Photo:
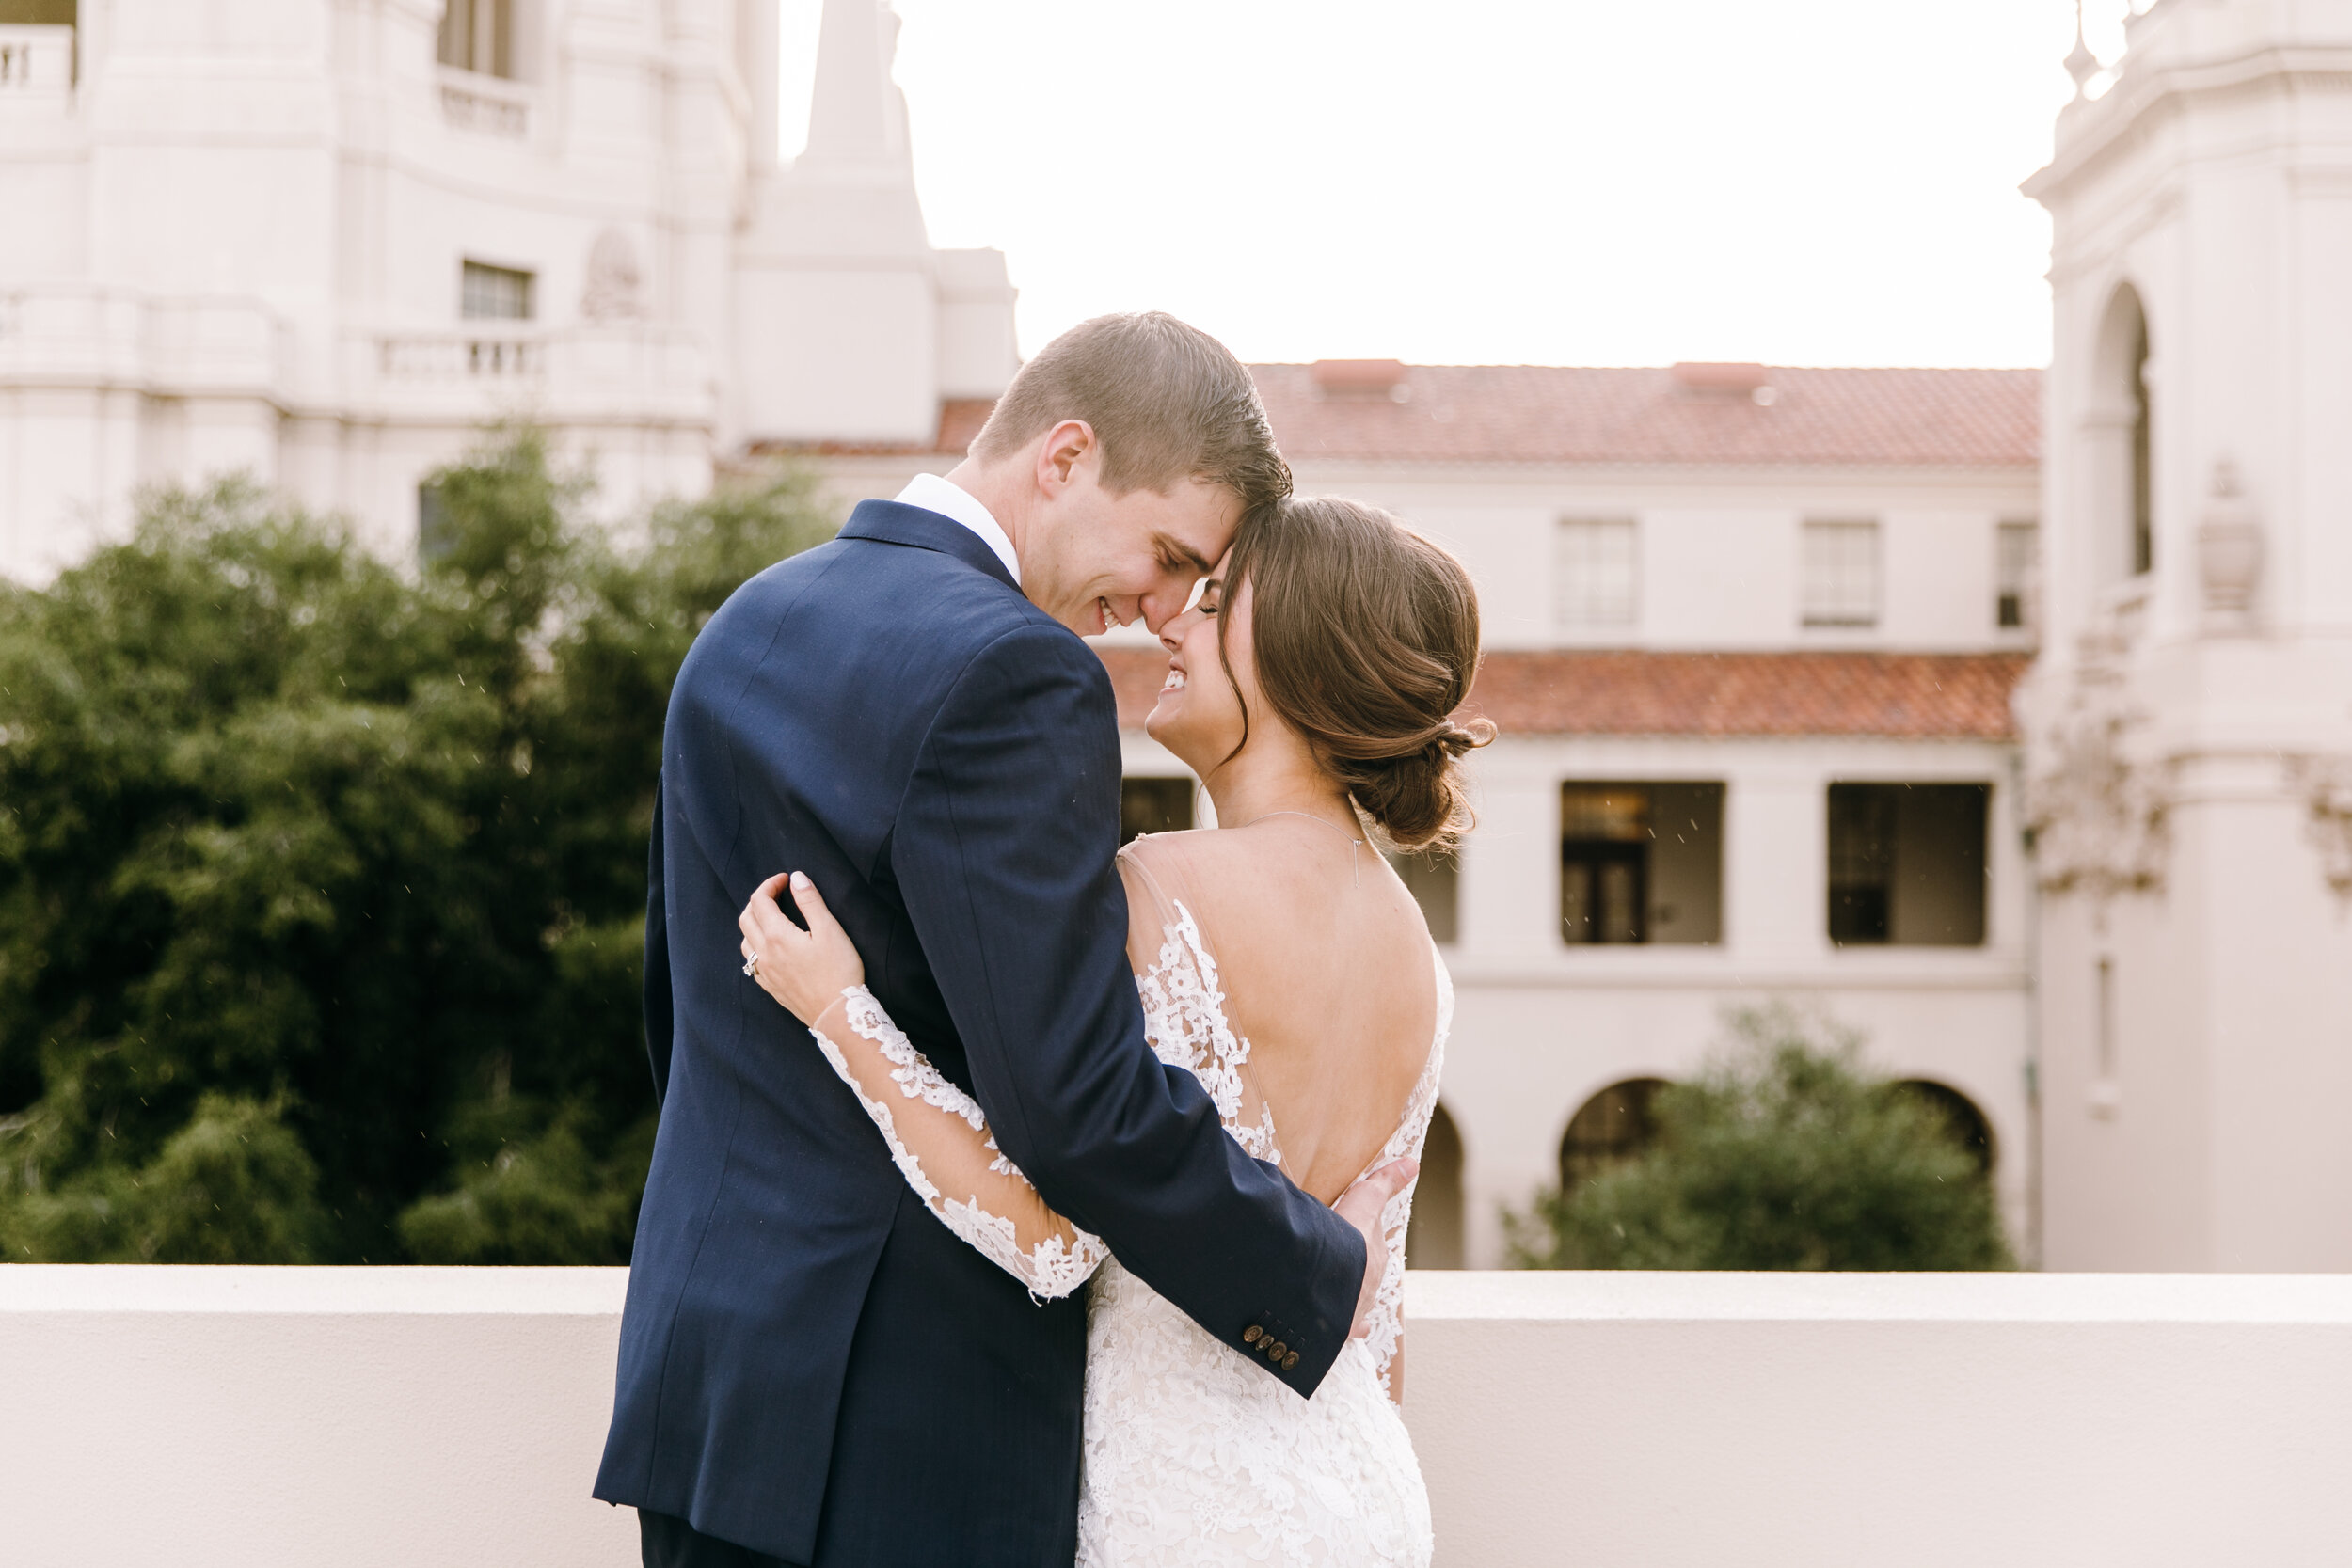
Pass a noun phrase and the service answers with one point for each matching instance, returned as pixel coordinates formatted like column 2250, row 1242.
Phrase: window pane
column 1641, row 862
column 479, row 35
column 493, row 293
column 1595, row 582
column 2014, row 571
column 1842, row 573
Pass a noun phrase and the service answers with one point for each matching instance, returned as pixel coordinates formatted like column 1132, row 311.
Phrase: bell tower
column 2188, row 728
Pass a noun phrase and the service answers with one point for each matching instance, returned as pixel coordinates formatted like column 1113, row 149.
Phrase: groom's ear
column 1067, row 451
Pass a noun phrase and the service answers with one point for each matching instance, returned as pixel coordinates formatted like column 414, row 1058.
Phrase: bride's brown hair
column 1366, row 640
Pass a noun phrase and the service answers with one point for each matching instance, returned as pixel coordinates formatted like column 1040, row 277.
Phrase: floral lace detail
column 1193, row 1454
column 1054, row 1267
column 1184, row 1017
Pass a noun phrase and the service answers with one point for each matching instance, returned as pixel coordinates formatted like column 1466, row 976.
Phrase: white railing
column 487, row 105
column 36, row 65
column 366, row 1416
column 486, row 354
column 497, row 369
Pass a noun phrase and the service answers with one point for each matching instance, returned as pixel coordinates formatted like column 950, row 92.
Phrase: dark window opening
column 1967, row 1123
column 40, row 13
column 1154, row 806
column 479, row 35
column 1907, row 864
column 1614, row 1126
column 1433, row 878
column 1641, row 863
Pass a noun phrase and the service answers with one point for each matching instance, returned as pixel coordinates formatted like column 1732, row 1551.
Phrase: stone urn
column 2230, row 554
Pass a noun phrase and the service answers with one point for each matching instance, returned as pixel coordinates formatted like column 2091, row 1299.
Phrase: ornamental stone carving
column 613, row 282
column 2097, row 807
column 2230, row 554
column 2325, row 784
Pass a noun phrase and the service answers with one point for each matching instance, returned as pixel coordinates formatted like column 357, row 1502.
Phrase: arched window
column 2119, row 429
column 1435, row 1239
column 1613, row 1126
column 1968, row 1124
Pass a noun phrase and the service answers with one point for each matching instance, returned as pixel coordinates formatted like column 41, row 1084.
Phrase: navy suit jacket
column 811, row 1365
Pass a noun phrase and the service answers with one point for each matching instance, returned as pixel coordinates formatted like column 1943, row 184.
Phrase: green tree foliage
column 322, row 883
column 1786, row 1153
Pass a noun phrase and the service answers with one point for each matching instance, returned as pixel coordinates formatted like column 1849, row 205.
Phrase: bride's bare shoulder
column 1190, row 870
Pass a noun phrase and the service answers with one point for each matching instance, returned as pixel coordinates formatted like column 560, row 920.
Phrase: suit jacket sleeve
column 660, row 1016
column 1004, row 849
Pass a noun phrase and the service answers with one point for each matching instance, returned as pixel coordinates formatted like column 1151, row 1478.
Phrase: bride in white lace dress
column 1284, row 963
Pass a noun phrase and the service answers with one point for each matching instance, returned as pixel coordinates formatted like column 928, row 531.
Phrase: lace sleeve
column 943, row 1145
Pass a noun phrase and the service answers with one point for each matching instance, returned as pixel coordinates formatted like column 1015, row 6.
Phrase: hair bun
column 1454, row 740
column 1365, row 638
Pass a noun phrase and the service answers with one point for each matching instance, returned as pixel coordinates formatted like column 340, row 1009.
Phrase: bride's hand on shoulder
column 806, row 970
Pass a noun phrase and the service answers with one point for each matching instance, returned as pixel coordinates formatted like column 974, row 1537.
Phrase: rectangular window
column 1641, row 863
column 1842, row 573
column 1433, row 878
column 479, row 35
column 493, row 293
column 1154, row 806
column 1595, row 582
column 1907, row 864
column 2014, row 570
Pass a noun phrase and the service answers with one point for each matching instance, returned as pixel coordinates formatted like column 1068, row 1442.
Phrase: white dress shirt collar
column 934, row 494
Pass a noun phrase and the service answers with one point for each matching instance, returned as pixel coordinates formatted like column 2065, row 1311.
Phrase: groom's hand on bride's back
column 1362, row 1206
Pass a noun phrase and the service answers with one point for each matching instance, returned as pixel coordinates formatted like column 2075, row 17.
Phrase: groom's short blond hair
column 1167, row 401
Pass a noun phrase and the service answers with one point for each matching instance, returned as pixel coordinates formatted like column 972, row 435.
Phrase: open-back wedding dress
column 1191, row 1457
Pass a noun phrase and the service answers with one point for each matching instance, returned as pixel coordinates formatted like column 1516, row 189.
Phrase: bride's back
column 1327, row 969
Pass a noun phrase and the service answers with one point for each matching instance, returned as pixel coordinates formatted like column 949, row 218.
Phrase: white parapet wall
column 205, row 1418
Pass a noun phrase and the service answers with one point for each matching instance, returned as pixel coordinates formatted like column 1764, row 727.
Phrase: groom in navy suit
column 813, row 1370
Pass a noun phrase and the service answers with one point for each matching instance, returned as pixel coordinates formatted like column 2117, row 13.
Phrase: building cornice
column 2146, row 90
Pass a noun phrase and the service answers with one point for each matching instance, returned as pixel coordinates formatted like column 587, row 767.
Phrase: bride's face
column 1198, row 716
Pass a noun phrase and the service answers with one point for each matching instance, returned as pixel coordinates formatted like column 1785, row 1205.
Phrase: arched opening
column 1434, row 1240
column 2119, row 430
column 1968, row 1124
column 1612, row 1127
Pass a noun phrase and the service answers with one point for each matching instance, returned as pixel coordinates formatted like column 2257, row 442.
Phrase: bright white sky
column 1499, row 181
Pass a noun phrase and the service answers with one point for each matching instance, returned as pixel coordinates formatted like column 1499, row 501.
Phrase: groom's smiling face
column 1103, row 559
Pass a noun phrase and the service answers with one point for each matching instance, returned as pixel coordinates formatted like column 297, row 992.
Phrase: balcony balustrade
column 36, row 71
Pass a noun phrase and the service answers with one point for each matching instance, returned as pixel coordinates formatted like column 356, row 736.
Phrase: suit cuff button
column 1289, row 1361
column 1251, row 1335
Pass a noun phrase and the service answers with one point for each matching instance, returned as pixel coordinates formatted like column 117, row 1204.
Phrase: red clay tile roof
column 1545, row 414
column 1894, row 696
column 1680, row 416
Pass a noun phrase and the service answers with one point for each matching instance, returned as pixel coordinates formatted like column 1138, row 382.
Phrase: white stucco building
column 1750, row 638
column 324, row 240
column 2190, row 723
column 1754, row 633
